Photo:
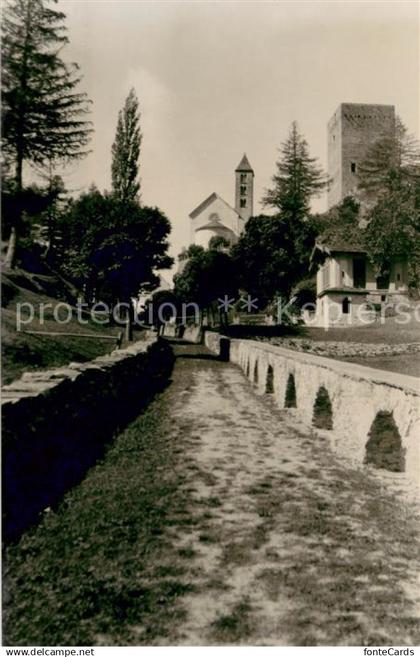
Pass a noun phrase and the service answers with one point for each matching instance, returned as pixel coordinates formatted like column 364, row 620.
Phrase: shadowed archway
column 269, row 382
column 290, row 396
column 323, row 416
column 384, row 448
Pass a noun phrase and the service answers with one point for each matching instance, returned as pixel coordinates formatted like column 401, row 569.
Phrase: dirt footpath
column 299, row 548
column 217, row 518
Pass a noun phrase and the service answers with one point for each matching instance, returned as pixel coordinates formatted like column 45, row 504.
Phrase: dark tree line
column 272, row 256
column 44, row 114
column 107, row 244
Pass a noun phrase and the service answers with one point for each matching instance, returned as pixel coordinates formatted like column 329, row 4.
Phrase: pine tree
column 389, row 188
column 126, row 151
column 44, row 117
column 297, row 180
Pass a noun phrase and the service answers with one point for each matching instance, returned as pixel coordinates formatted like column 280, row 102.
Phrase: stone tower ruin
column 352, row 130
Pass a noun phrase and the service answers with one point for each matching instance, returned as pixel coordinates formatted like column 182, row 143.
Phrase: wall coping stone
column 350, row 370
column 34, row 384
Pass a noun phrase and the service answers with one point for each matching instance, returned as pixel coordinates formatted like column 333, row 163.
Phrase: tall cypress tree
column 44, row 116
column 297, row 180
column 126, row 151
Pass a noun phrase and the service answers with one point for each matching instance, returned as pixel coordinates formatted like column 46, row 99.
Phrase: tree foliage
column 389, row 180
column 126, row 151
column 21, row 208
column 392, row 157
column 208, row 275
column 393, row 229
column 272, row 255
column 44, row 116
column 298, row 178
column 341, row 224
column 112, row 248
column 219, row 243
column 161, row 307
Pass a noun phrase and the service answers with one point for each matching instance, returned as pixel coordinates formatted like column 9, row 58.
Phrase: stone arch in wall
column 384, row 448
column 345, row 306
column 269, row 381
column 290, row 394
column 322, row 416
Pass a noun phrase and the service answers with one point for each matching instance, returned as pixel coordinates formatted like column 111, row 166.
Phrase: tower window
column 243, row 190
column 353, row 167
column 243, row 203
column 243, row 177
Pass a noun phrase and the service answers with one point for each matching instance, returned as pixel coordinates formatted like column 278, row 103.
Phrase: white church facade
column 215, row 217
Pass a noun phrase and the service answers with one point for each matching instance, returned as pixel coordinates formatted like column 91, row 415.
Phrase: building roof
column 339, row 246
column 203, row 205
column 244, row 165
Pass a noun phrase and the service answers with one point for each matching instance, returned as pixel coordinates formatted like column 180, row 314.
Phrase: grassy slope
column 22, row 352
column 98, row 571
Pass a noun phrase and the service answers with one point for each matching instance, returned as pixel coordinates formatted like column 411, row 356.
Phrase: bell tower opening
column 244, row 189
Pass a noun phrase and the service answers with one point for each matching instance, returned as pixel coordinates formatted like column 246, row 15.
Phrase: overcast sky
column 217, row 79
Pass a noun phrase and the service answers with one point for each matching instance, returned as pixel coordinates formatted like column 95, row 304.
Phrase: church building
column 215, row 217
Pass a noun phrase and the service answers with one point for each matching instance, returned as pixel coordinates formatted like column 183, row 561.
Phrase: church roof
column 208, row 201
column 203, row 205
column 244, row 165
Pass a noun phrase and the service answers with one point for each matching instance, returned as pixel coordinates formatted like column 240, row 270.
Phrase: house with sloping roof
column 348, row 290
column 215, row 217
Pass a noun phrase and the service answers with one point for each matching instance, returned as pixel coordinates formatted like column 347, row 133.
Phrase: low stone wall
column 56, row 423
column 190, row 332
column 212, row 341
column 193, row 333
column 358, row 394
column 169, row 330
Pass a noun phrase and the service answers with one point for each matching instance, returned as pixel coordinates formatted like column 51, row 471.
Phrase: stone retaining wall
column 358, row 394
column 56, row 423
column 193, row 333
column 190, row 332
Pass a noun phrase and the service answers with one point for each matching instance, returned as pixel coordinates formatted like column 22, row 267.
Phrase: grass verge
column 101, row 570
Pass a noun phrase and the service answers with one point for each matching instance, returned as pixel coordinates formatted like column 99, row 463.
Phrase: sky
column 217, row 79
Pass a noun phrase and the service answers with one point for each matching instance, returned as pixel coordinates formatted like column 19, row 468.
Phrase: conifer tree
column 297, row 180
column 392, row 158
column 44, row 116
column 126, row 151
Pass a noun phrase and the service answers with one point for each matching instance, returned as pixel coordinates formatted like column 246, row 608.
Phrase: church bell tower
column 244, row 189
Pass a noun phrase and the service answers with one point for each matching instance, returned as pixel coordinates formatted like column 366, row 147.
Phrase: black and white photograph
column 210, row 326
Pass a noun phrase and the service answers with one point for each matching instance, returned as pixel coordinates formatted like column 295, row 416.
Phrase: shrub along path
column 216, row 518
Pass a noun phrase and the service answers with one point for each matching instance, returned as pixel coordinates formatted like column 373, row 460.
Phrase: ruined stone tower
column 244, row 189
column 352, row 130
